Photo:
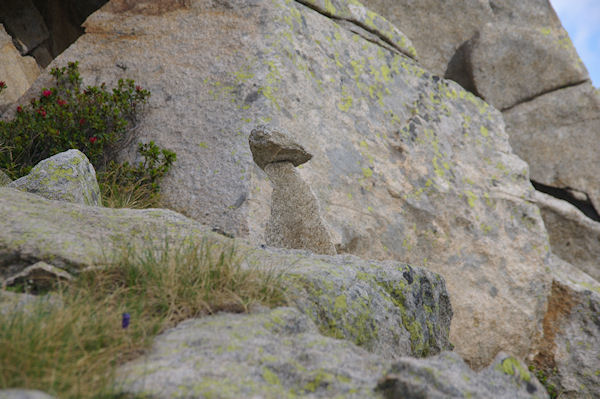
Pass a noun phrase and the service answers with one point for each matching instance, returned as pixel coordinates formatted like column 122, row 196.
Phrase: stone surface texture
column 557, row 134
column 448, row 376
column 17, row 71
column 269, row 145
column 23, row 394
column 438, row 29
column 357, row 15
column 510, row 65
column 516, row 55
column 570, row 351
column 574, row 237
column 406, row 166
column 73, row 236
column 67, row 176
column 277, row 354
column 296, row 220
column 390, row 308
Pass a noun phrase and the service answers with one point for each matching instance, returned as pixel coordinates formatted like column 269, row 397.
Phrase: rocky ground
column 384, row 154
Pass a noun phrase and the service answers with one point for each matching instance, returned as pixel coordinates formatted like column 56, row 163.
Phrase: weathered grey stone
column 73, row 236
column 557, row 134
column 269, row 145
column 404, row 307
column 16, row 393
column 427, row 24
column 67, row 176
column 406, row 166
column 569, row 354
column 438, row 29
column 448, row 376
column 296, row 220
column 4, row 179
column 511, row 64
column 39, row 277
column 389, row 308
column 573, row 236
column 277, row 354
column 16, row 71
column 374, row 27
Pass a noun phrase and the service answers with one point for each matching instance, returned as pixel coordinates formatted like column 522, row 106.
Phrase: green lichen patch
column 353, row 11
column 394, row 309
column 293, row 362
column 512, row 366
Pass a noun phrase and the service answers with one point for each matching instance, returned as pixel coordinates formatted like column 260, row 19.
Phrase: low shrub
column 95, row 121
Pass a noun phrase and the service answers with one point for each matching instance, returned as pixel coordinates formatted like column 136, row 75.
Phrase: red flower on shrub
column 2, row 84
column 93, row 139
column 19, row 109
column 81, row 121
column 138, row 88
column 42, row 112
column 47, row 93
column 61, row 102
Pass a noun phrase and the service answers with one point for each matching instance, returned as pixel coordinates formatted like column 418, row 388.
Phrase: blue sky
column 581, row 18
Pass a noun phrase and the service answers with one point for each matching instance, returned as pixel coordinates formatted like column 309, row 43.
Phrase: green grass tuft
column 72, row 348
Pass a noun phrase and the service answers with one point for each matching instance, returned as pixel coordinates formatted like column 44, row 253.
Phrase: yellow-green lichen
column 329, row 7
column 471, row 198
column 346, row 101
column 511, row 366
column 270, row 377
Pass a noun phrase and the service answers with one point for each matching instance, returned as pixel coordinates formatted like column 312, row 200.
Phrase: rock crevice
column 555, row 89
column 356, row 14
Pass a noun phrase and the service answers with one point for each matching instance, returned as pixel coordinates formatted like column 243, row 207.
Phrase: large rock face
column 509, row 65
column 438, row 29
column 406, row 166
column 515, row 55
column 281, row 351
column 557, row 133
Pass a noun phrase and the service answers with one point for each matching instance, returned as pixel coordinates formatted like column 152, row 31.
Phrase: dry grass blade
column 71, row 349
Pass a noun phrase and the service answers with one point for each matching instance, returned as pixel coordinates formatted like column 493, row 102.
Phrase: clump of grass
column 136, row 186
column 71, row 350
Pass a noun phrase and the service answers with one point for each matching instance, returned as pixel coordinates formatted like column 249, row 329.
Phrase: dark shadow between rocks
column 567, row 194
column 45, row 28
column 460, row 71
